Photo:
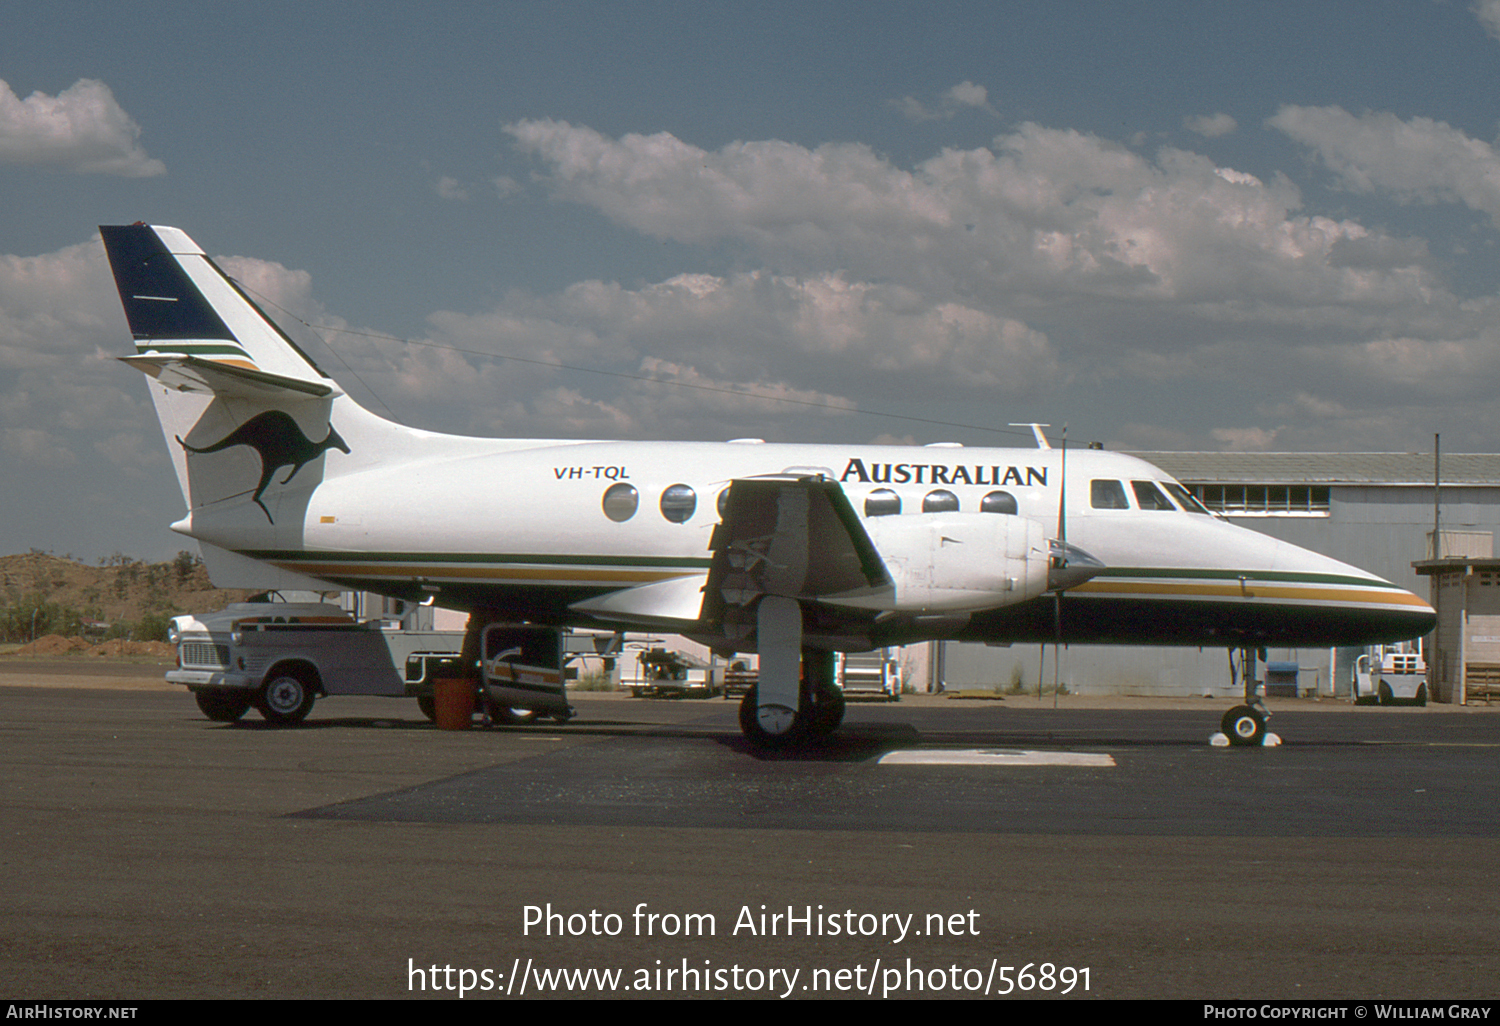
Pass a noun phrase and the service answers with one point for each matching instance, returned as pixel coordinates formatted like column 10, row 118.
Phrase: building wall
column 1383, row 529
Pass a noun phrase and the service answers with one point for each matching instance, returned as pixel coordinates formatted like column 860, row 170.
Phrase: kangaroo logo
column 280, row 443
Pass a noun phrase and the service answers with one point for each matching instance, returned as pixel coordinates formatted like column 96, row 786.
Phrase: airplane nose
column 1071, row 566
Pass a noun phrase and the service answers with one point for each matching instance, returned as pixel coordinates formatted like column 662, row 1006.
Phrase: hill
column 120, row 597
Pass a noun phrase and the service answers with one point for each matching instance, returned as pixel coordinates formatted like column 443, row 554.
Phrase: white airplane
column 790, row 551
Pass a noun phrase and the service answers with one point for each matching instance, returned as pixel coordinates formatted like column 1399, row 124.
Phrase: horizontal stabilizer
column 194, row 374
column 180, row 303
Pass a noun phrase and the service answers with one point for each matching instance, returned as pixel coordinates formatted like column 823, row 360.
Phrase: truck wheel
column 223, row 705
column 428, row 705
column 287, row 697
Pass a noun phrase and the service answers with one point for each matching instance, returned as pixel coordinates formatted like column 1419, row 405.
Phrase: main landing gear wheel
column 223, row 705
column 287, row 697
column 778, row 727
column 827, row 712
column 1244, row 725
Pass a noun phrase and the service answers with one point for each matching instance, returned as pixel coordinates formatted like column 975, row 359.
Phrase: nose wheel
column 1244, row 725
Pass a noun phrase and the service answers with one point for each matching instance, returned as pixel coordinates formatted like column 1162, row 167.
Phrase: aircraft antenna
column 1036, row 432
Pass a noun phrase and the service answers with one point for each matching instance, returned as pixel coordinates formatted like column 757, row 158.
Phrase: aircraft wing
column 791, row 536
column 784, row 535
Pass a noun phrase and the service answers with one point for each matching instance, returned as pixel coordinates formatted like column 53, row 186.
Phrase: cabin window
column 1148, row 496
column 678, row 503
column 722, row 503
column 1107, row 495
column 882, row 502
column 940, row 500
column 620, row 502
column 998, row 502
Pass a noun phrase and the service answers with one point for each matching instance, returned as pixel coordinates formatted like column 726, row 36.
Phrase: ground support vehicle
column 664, row 673
column 739, row 679
column 1391, row 675
column 522, row 673
column 870, row 675
column 280, row 656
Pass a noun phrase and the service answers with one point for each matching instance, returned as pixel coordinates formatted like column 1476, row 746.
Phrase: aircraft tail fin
column 186, row 312
column 224, row 376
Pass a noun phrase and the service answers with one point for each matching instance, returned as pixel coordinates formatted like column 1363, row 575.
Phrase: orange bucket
column 453, row 698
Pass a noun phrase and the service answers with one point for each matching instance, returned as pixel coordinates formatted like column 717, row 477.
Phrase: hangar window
column 882, row 502
column 1265, row 499
column 998, row 502
column 1107, row 495
column 678, row 503
column 1148, row 496
column 620, row 502
column 940, row 500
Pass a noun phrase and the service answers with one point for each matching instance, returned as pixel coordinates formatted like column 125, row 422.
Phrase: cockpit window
column 998, row 502
column 939, row 500
column 1148, row 496
column 1107, row 495
column 1185, row 498
column 882, row 502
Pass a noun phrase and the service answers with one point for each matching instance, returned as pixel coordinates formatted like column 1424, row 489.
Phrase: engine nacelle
column 957, row 562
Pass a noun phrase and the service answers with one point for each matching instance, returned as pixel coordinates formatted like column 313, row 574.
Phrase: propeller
column 1059, row 565
column 1069, row 565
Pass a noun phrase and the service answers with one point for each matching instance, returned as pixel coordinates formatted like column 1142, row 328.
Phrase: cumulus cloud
column 1417, row 160
column 940, row 276
column 1041, row 216
column 80, row 129
column 1211, row 126
column 65, row 403
column 1251, row 439
column 449, row 188
column 965, row 95
column 57, row 306
column 740, row 341
column 1488, row 13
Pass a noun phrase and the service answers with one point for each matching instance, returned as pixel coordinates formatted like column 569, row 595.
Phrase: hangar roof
column 1367, row 468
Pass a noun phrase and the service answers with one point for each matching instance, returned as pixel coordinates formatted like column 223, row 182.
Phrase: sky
column 1169, row 225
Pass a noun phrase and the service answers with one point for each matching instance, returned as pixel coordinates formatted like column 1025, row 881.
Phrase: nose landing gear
column 1245, row 725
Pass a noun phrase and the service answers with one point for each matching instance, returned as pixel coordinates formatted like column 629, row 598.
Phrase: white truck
column 1391, row 675
column 280, row 656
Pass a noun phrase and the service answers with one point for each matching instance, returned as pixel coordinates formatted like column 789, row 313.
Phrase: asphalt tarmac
column 146, row 852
